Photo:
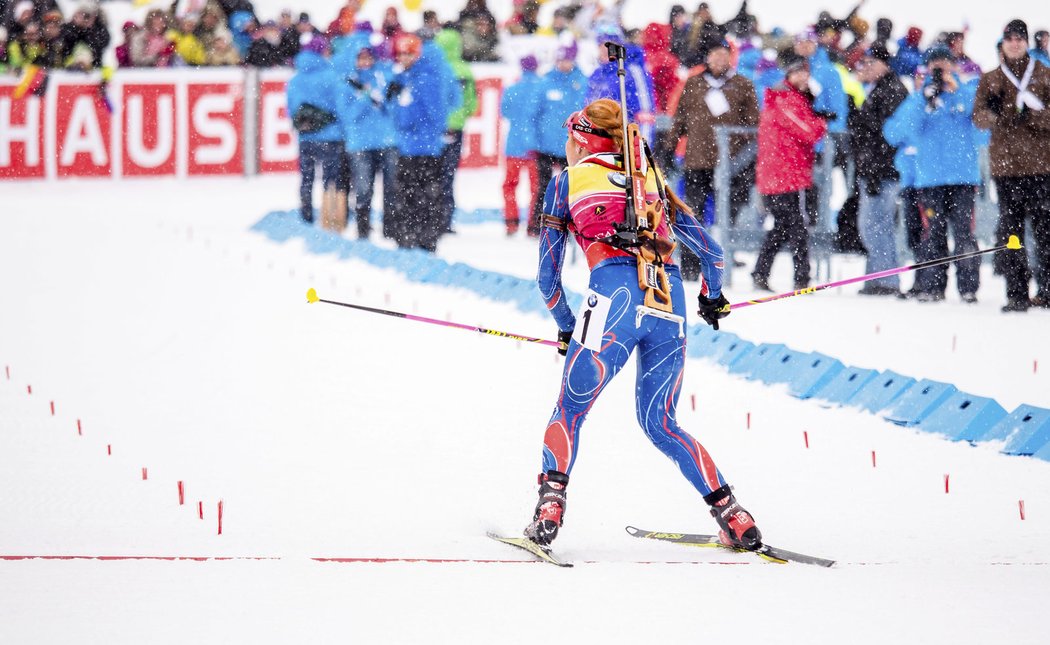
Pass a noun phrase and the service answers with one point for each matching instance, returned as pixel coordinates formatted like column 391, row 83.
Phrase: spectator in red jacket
column 788, row 128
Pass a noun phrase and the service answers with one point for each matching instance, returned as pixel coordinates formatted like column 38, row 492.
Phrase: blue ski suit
column 585, row 200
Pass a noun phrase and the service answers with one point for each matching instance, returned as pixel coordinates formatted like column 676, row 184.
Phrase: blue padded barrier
column 881, row 391
column 1026, row 430
column 918, row 402
column 964, row 417
column 731, row 352
column 841, row 387
column 751, row 362
column 779, row 369
column 813, row 371
column 710, row 344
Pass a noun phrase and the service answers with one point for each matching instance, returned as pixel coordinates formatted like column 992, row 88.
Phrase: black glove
column 393, row 89
column 563, row 341
column 713, row 310
column 827, row 115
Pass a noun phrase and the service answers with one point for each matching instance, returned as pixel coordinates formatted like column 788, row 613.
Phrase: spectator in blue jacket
column 604, row 83
column 936, row 120
column 563, row 90
column 1041, row 51
column 315, row 93
column 908, row 56
column 826, row 84
column 419, row 100
column 519, row 106
column 368, row 131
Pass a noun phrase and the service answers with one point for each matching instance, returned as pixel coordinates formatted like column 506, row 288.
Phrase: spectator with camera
column 936, row 120
column 1012, row 101
column 368, row 132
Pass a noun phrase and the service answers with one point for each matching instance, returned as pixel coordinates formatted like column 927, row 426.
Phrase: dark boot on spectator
column 1016, row 306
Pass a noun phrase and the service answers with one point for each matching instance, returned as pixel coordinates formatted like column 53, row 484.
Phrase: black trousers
column 789, row 229
column 544, row 171
column 911, row 213
column 1019, row 199
column 699, row 185
column 419, row 221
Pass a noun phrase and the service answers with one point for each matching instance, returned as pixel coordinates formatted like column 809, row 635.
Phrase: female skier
column 588, row 200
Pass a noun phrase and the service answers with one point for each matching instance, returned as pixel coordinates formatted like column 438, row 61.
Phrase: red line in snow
column 359, row 560
column 108, row 558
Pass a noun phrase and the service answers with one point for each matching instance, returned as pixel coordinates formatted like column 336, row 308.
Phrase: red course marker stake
column 692, row 399
column 109, row 449
column 182, row 494
column 7, row 370
column 144, row 476
column 805, row 435
column 946, row 484
column 200, row 510
column 52, row 408
column 1020, row 505
column 873, row 459
column 79, row 431
column 220, row 517
column 29, row 388
column 748, row 420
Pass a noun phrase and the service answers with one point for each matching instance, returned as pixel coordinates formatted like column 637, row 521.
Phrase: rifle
column 641, row 216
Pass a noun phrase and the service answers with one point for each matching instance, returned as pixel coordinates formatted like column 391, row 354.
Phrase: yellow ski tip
column 1013, row 243
column 311, row 295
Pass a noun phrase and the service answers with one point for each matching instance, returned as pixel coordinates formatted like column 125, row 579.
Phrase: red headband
column 587, row 136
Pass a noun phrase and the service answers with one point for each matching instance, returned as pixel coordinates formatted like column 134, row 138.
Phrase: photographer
column 936, row 121
column 1012, row 102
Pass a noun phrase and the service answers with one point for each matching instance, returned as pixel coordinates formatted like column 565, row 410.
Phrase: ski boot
column 738, row 527
column 550, row 509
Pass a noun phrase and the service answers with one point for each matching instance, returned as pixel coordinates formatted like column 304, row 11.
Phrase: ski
column 766, row 552
column 528, row 545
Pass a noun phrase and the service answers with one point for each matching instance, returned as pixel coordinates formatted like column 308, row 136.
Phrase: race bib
column 590, row 323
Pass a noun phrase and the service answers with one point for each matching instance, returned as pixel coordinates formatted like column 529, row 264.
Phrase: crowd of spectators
column 907, row 115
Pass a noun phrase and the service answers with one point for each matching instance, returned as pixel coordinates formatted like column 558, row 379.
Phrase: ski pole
column 311, row 297
column 1012, row 244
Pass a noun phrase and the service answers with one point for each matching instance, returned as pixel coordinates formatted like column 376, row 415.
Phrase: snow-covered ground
column 181, row 342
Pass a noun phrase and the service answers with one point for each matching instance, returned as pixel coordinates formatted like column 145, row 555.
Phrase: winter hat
column 878, row 51
column 365, row 26
column 914, row 36
column 806, row 35
column 566, row 53
column 883, row 29
column 937, row 52
column 714, row 41
column 408, row 44
column 21, row 8
column 1016, row 27
column 529, row 63
column 676, row 10
column 129, row 26
column 318, row 44
column 789, row 61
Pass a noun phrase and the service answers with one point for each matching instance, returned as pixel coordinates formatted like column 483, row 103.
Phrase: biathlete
column 588, row 200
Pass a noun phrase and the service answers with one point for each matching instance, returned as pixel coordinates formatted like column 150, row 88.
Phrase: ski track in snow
column 184, row 342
